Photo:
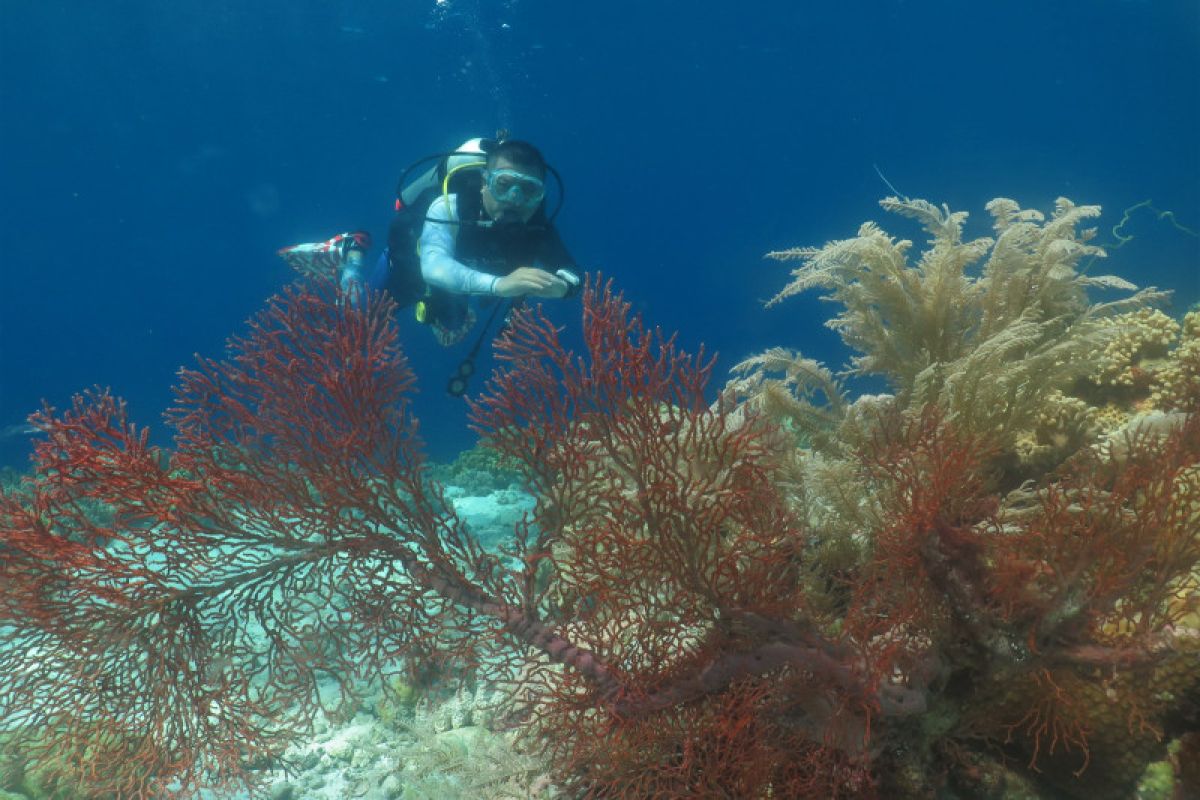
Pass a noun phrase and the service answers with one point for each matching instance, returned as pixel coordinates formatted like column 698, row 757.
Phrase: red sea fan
column 169, row 619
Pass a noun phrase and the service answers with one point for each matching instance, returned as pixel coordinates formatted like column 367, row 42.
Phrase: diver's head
column 514, row 181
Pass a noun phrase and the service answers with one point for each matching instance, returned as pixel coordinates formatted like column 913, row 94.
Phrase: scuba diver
column 473, row 224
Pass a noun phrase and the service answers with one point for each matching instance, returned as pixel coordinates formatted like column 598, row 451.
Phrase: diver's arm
column 438, row 266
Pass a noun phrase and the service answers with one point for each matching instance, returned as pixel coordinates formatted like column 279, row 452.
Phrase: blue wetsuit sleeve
column 438, row 266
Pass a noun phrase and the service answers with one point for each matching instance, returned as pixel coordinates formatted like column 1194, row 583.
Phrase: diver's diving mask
column 515, row 188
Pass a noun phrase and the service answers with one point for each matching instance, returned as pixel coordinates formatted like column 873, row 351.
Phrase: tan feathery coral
column 790, row 397
column 998, row 335
column 989, row 349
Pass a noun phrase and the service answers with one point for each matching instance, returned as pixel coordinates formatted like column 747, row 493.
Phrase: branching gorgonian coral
column 988, row 347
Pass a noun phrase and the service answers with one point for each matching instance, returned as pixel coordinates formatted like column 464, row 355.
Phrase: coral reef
column 1045, row 407
column 981, row 583
column 477, row 470
column 291, row 546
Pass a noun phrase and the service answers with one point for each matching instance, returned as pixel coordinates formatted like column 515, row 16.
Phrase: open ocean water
column 153, row 156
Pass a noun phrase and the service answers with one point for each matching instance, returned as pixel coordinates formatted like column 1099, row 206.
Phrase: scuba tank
column 434, row 175
column 425, row 186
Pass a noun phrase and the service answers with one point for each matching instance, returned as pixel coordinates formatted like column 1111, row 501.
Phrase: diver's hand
column 524, row 281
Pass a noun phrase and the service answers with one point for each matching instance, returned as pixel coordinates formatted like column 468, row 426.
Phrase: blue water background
column 153, row 155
